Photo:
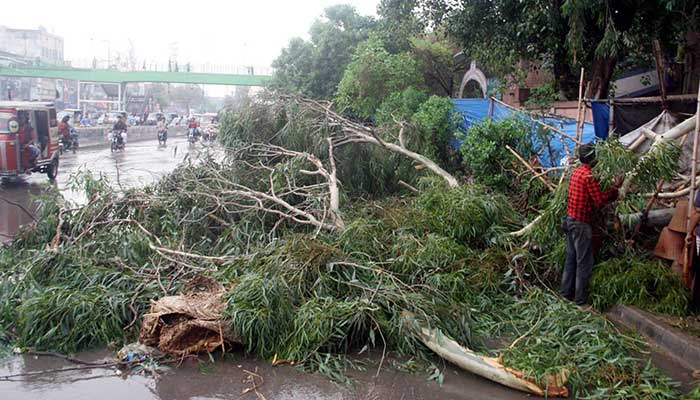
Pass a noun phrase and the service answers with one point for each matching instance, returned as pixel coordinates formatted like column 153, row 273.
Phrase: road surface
column 233, row 379
column 141, row 163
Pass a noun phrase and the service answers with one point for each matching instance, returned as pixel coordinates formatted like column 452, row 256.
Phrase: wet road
column 237, row 377
column 141, row 163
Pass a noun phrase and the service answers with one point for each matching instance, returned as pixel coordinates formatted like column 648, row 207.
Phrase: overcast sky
column 233, row 32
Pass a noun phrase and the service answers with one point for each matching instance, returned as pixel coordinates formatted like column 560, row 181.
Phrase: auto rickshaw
column 37, row 120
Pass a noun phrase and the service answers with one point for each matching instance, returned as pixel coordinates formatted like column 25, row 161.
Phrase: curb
column 685, row 349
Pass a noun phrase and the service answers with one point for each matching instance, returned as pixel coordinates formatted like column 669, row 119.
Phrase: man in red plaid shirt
column 584, row 195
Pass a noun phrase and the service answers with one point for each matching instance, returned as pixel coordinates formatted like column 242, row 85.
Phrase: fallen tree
column 294, row 283
column 349, row 131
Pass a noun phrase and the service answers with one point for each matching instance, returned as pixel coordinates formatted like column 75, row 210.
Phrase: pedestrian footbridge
column 123, row 77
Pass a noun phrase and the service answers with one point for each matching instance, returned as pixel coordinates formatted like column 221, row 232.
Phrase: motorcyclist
column 120, row 129
column 162, row 128
column 66, row 132
column 193, row 127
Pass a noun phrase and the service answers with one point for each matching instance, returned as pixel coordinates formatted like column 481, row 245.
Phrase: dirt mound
column 189, row 323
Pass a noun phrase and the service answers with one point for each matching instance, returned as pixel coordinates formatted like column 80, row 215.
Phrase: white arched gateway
column 474, row 78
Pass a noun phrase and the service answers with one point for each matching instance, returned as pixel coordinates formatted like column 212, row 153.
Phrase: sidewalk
column 679, row 353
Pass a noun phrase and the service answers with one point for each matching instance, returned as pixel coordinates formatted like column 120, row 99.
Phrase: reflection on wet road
column 141, row 163
column 233, row 379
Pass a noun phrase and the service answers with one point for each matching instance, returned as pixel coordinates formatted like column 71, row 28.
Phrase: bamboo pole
column 551, row 128
column 529, row 167
column 578, row 109
column 657, row 58
column 655, row 99
column 693, row 187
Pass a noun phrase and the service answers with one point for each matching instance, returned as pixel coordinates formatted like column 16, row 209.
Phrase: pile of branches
column 309, row 274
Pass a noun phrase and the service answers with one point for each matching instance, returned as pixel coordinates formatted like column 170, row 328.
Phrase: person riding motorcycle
column 66, row 132
column 162, row 128
column 193, row 127
column 119, row 129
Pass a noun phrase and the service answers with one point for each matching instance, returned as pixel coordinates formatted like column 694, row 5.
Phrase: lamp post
column 109, row 53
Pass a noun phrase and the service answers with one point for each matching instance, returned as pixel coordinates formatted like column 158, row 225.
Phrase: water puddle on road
column 236, row 377
column 142, row 163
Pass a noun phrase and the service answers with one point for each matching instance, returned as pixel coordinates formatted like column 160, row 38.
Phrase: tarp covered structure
column 474, row 111
column 661, row 124
column 629, row 113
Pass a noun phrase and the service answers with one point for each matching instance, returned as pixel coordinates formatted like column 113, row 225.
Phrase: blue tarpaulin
column 601, row 118
column 474, row 111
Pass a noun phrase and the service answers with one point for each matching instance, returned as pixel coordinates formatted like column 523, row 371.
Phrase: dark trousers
column 579, row 260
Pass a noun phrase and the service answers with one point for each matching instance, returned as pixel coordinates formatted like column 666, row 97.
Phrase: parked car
column 75, row 114
column 152, row 118
column 109, row 118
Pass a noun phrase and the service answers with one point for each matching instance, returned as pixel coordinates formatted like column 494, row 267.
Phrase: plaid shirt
column 585, row 193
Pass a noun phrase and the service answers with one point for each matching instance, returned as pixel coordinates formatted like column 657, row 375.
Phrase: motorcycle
column 192, row 135
column 209, row 135
column 162, row 138
column 117, row 141
column 71, row 143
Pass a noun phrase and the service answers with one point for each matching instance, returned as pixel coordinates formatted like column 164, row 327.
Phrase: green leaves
column 467, row 214
column 485, row 155
column 638, row 281
column 314, row 67
column 372, row 76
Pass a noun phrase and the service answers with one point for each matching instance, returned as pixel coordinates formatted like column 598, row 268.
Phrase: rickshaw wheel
column 52, row 170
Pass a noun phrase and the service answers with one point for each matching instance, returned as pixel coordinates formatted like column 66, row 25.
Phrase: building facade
column 35, row 46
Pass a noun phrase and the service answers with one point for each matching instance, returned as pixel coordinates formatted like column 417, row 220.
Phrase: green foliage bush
column 372, row 76
column 437, row 121
column 638, row 281
column 542, row 96
column 484, row 151
column 400, row 106
column 468, row 214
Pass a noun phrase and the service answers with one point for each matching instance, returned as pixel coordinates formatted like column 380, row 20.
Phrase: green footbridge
column 122, row 77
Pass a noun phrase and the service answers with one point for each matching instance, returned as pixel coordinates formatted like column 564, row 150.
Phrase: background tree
column 399, row 22
column 436, row 60
column 188, row 97
column 372, row 76
column 314, row 68
column 564, row 35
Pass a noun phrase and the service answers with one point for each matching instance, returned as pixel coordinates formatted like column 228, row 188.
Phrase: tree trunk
column 603, row 69
column 564, row 80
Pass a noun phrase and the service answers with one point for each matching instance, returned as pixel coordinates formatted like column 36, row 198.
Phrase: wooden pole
column 578, row 110
column 655, row 99
column 691, row 199
column 657, row 58
column 527, row 165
